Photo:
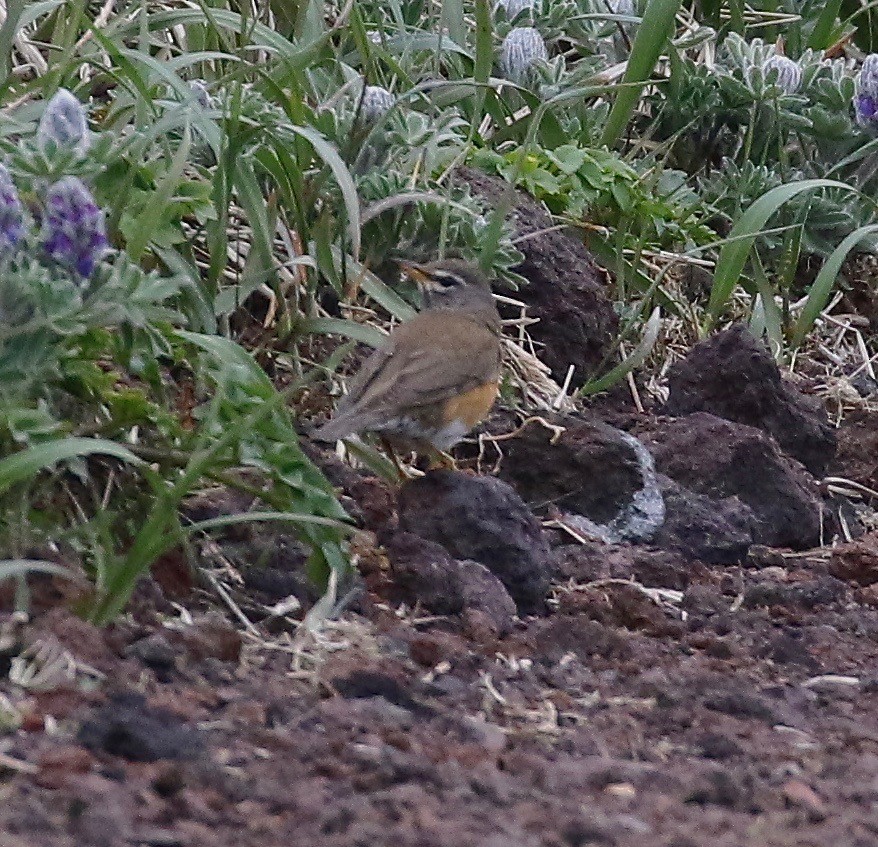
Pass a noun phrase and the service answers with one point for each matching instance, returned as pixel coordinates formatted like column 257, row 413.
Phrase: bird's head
column 451, row 284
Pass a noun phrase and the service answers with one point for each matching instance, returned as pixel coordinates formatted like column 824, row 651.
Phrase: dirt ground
column 656, row 701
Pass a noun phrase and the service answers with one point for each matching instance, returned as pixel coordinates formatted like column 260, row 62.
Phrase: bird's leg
column 404, row 474
column 441, row 459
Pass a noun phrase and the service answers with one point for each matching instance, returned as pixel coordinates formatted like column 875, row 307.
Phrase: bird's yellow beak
column 415, row 272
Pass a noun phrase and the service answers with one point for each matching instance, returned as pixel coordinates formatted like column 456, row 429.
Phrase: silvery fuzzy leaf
column 786, row 73
column 64, row 124
column 377, row 102
column 513, row 8
column 522, row 49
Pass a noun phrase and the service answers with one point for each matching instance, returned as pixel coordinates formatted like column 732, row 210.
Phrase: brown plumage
column 437, row 375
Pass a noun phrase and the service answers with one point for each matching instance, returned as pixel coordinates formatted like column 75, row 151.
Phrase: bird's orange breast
column 472, row 406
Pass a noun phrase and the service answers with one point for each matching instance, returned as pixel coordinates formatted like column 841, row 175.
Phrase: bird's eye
column 444, row 279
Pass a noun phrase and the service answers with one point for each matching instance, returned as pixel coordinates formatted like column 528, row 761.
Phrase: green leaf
column 738, row 245
column 453, row 20
column 821, row 289
column 343, row 178
column 652, row 36
column 347, row 329
column 771, row 314
column 634, row 359
column 28, row 463
column 568, row 158
column 379, row 291
column 264, row 517
column 825, row 27
column 152, row 216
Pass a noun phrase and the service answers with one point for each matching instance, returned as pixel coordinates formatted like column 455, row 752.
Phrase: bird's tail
column 333, row 430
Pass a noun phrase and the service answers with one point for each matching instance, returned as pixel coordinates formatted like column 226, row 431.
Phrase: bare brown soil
column 658, row 701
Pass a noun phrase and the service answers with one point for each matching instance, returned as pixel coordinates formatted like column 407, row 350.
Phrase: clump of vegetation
column 180, row 181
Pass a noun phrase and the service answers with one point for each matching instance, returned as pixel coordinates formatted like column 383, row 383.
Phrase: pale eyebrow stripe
column 440, row 275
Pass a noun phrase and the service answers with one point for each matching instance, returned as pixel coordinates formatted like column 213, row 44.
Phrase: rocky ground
column 613, row 627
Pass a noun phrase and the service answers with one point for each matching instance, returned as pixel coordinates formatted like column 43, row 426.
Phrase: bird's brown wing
column 423, row 363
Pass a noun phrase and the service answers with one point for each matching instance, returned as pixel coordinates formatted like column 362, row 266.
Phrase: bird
column 436, row 376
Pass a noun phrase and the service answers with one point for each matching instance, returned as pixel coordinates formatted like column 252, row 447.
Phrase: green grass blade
column 151, row 218
column 347, row 329
column 343, row 178
column 260, row 35
column 407, row 198
column 826, row 26
column 14, row 11
column 23, row 465
column 821, row 289
column 263, row 517
column 633, row 360
column 483, row 42
column 382, row 294
column 378, row 290
column 652, row 36
column 453, row 20
column 736, row 250
column 736, row 13
column 259, row 267
column 771, row 314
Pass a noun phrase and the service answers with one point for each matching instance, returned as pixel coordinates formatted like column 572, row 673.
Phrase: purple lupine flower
column 64, row 123
column 11, row 214
column 521, row 50
column 789, row 74
column 866, row 93
column 866, row 108
column 74, row 234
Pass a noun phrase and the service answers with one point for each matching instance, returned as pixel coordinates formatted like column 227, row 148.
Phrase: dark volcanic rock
column 857, row 561
column 717, row 531
column 562, row 634
column 127, row 727
column 605, row 475
column 481, row 518
column 595, row 560
column 732, row 375
column 577, row 321
column 446, row 585
column 590, row 470
column 720, row 459
column 823, row 591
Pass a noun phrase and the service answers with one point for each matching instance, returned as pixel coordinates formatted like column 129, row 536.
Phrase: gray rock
column 600, row 478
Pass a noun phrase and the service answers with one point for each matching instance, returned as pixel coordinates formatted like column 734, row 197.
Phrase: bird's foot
column 404, row 472
column 440, row 460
